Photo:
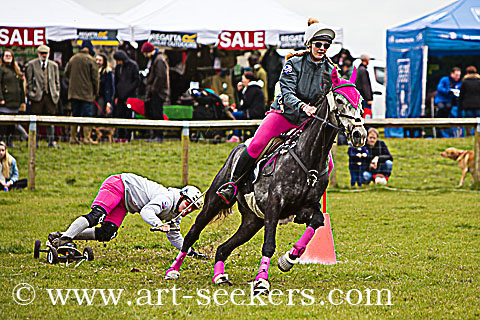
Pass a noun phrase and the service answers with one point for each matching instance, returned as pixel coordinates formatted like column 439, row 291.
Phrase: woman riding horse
column 308, row 80
column 304, row 80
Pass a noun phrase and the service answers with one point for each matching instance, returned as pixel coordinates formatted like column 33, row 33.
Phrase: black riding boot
column 228, row 191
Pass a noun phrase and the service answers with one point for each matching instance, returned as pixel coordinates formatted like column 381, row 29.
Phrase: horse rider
column 305, row 79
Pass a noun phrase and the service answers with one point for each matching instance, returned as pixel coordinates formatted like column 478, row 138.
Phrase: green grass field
column 419, row 238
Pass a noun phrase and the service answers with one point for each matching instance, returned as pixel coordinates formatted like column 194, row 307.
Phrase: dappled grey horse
column 292, row 190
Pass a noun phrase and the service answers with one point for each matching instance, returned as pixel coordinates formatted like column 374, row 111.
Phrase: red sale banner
column 22, row 37
column 241, row 40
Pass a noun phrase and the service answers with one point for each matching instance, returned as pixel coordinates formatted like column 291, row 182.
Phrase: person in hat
column 43, row 87
column 293, row 105
column 158, row 86
column 364, row 85
column 127, row 192
column 82, row 73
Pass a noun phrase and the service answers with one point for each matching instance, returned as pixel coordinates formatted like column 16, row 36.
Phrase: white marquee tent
column 61, row 18
column 208, row 18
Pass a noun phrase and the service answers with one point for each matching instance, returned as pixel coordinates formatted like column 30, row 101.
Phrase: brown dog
column 465, row 159
column 104, row 131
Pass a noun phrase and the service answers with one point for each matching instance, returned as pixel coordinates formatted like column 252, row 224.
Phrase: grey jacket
column 154, row 202
column 35, row 81
column 302, row 82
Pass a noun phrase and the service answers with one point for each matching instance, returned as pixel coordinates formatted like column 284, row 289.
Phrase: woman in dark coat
column 379, row 159
column 469, row 101
column 252, row 101
column 12, row 93
column 106, row 88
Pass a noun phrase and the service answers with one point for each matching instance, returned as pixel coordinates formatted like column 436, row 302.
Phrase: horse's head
column 345, row 103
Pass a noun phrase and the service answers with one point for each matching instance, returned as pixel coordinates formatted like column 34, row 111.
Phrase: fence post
column 185, row 140
column 476, row 173
column 32, row 149
column 333, row 175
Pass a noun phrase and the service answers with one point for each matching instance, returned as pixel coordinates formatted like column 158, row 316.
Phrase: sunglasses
column 7, row 55
column 319, row 45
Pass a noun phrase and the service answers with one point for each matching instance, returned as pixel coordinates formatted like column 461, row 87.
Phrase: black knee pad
column 317, row 221
column 106, row 232
column 95, row 216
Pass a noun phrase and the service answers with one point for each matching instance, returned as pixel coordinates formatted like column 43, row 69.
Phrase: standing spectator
column 126, row 81
column 106, row 89
column 447, row 90
column 9, row 171
column 379, row 159
column 357, row 164
column 12, row 94
column 158, row 85
column 43, row 88
column 469, row 101
column 259, row 72
column 82, row 73
column 272, row 62
column 364, row 86
column 252, row 101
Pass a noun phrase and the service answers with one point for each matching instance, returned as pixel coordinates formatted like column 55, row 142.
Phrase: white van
column 376, row 71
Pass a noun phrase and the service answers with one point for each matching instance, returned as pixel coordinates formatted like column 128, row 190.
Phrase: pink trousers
column 274, row 125
column 111, row 197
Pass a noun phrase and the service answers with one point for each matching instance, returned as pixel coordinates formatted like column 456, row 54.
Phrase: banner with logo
column 22, row 37
column 98, row 37
column 291, row 40
column 241, row 40
column 173, row 39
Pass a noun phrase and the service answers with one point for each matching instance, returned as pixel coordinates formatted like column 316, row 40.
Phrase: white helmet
column 193, row 195
column 318, row 30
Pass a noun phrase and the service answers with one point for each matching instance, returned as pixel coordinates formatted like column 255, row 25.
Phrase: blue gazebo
column 451, row 31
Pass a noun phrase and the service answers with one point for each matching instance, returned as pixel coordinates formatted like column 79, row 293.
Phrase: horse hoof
column 285, row 264
column 261, row 286
column 222, row 279
column 172, row 275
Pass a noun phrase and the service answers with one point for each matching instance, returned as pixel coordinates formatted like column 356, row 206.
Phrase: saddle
column 267, row 160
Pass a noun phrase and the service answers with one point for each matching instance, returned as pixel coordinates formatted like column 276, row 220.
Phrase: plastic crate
column 178, row 112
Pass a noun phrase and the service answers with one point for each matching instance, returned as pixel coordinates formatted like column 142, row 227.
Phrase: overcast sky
column 364, row 22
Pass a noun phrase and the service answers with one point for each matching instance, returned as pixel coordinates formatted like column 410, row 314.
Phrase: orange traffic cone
column 321, row 248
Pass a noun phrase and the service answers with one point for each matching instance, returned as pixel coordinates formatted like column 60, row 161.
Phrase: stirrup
column 227, row 187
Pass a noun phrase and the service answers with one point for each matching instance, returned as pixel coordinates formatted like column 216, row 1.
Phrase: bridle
column 332, row 107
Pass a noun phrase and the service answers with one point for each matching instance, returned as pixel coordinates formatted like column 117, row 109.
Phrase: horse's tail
column 224, row 174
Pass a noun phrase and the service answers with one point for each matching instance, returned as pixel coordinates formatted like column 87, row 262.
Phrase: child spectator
column 357, row 164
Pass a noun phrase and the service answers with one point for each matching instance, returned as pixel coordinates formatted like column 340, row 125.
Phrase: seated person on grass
column 379, row 159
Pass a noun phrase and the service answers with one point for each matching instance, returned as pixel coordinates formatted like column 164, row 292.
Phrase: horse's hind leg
column 289, row 259
column 248, row 228
column 209, row 212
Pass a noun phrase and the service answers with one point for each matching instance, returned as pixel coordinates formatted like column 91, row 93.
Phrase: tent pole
column 424, row 83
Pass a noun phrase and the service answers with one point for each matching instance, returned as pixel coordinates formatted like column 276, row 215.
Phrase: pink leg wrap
column 263, row 271
column 218, row 269
column 299, row 247
column 331, row 165
column 178, row 262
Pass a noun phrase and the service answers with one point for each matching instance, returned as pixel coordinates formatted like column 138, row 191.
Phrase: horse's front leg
column 249, row 227
column 261, row 284
column 209, row 211
column 289, row 259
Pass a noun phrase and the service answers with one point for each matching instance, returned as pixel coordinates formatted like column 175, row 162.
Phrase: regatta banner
column 173, row 39
column 291, row 40
column 241, row 40
column 98, row 37
column 22, row 37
